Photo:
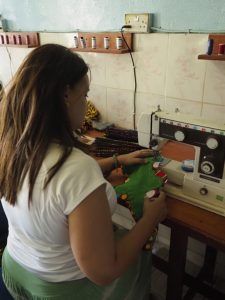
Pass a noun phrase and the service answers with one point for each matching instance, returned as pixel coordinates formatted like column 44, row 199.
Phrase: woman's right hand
column 155, row 209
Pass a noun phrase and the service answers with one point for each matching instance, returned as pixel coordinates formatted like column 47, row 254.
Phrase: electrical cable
column 134, row 71
column 160, row 29
column 10, row 59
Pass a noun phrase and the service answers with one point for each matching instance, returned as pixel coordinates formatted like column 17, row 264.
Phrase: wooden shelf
column 87, row 36
column 101, row 50
column 19, row 39
column 217, row 39
column 211, row 57
column 16, row 46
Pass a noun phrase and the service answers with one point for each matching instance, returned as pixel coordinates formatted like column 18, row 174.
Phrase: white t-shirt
column 39, row 237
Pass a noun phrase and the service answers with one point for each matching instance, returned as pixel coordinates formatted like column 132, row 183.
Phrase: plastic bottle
column 75, row 42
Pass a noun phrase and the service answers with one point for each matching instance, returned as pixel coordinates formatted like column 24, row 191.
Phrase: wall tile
column 185, row 73
column 97, row 95
column 214, row 112
column 119, row 71
column 97, row 64
column 186, row 107
column 10, row 60
column 120, row 107
column 5, row 66
column 18, row 55
column 221, row 261
column 150, row 59
column 214, row 91
column 147, row 103
column 196, row 246
column 63, row 38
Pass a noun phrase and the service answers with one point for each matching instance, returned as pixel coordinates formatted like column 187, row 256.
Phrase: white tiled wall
column 168, row 74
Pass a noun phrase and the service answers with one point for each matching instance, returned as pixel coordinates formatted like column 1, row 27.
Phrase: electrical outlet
column 138, row 22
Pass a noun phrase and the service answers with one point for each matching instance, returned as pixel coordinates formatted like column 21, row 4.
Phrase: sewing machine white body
column 205, row 186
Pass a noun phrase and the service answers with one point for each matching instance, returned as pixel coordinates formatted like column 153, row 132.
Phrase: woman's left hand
column 136, row 157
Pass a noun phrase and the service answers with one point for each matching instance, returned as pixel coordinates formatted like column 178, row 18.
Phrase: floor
column 159, row 279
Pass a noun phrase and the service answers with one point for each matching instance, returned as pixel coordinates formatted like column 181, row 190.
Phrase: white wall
column 102, row 15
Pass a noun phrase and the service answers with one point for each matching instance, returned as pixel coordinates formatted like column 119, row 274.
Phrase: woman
column 3, row 230
column 3, row 222
column 61, row 242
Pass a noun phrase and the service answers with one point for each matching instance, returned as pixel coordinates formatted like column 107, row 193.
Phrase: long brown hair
column 1, row 91
column 33, row 114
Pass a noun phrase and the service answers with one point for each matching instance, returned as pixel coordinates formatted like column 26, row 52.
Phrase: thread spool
column 19, row 39
column 210, row 47
column 221, row 49
column 75, row 42
column 152, row 194
column 2, row 40
column 187, row 165
column 82, row 42
column 106, row 42
column 27, row 40
column 119, row 43
column 7, row 39
column 14, row 40
column 93, row 42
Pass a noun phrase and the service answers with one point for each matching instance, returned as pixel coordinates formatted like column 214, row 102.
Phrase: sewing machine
column 205, row 186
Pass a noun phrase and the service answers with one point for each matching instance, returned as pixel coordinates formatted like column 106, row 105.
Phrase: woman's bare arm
column 136, row 157
column 97, row 253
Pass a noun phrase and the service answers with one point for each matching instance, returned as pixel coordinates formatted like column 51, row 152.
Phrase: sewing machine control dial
column 207, row 167
column 212, row 143
column 153, row 143
column 203, row 191
column 179, row 135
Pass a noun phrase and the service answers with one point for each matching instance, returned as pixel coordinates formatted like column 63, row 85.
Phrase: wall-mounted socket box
column 138, row 22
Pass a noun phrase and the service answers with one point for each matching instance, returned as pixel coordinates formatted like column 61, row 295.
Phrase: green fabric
column 132, row 285
column 141, row 179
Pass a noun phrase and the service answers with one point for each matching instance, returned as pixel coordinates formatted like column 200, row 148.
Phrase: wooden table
column 186, row 220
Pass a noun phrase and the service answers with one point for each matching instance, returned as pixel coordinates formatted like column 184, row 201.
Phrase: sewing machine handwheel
column 203, row 191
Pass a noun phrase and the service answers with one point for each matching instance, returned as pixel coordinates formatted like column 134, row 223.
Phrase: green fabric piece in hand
column 141, row 179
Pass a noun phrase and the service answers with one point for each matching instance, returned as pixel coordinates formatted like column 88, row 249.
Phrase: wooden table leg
column 198, row 285
column 209, row 263
column 177, row 259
